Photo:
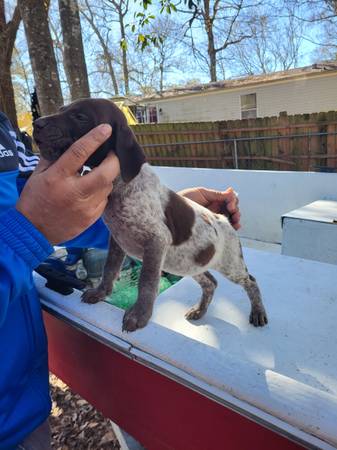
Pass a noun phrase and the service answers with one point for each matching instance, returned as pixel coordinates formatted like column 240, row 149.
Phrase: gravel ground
column 76, row 424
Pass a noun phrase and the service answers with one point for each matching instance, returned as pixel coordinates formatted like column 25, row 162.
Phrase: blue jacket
column 24, row 387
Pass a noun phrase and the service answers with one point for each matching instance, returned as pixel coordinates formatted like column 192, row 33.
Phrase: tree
column 326, row 38
column 34, row 15
column 322, row 17
column 223, row 22
column 121, row 8
column 21, row 75
column 102, row 33
column 8, row 31
column 166, row 48
column 56, row 35
column 149, row 67
column 275, row 43
column 73, row 52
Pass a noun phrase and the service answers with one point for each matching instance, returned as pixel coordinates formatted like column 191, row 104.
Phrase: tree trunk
column 7, row 39
column 124, row 56
column 34, row 14
column 212, row 65
column 7, row 98
column 74, row 59
column 107, row 58
column 161, row 77
column 210, row 41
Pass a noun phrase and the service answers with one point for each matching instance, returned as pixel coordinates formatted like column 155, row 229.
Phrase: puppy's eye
column 82, row 117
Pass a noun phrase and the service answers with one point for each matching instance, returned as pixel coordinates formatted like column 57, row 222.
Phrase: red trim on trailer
column 159, row 412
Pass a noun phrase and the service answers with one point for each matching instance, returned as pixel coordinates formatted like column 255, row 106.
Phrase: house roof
column 314, row 69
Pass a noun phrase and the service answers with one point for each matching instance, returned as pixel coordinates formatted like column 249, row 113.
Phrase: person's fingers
column 212, row 195
column 214, row 207
column 71, row 161
column 232, row 200
column 236, row 216
column 101, row 177
column 229, row 197
column 217, row 206
column 229, row 194
column 232, row 206
column 42, row 166
column 235, row 219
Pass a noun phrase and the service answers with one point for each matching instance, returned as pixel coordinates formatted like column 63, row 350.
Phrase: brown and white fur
column 149, row 221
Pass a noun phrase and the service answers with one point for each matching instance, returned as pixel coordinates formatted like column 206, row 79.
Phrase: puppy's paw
column 93, row 295
column 195, row 313
column 134, row 318
column 258, row 317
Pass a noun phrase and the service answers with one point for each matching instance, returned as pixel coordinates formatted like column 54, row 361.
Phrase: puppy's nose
column 40, row 123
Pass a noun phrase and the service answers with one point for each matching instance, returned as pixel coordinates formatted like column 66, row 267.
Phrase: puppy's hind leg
column 236, row 271
column 111, row 270
column 208, row 285
column 258, row 316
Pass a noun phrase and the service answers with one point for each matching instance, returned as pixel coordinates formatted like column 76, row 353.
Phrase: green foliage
column 123, row 44
column 144, row 19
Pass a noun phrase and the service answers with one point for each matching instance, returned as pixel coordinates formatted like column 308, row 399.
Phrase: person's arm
column 216, row 201
column 22, row 248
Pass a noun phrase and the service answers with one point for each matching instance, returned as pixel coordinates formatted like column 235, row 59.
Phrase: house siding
column 297, row 96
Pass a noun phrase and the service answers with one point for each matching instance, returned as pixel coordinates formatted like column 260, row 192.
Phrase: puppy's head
column 54, row 134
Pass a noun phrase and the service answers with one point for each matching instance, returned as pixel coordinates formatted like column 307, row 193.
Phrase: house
column 303, row 90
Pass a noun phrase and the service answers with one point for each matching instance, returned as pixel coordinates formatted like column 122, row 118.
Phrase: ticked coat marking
column 188, row 243
column 150, row 222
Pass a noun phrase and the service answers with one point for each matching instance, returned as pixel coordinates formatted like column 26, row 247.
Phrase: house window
column 141, row 114
column 248, row 106
column 152, row 114
column 146, row 114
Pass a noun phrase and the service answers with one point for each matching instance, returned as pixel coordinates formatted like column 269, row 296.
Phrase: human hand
column 58, row 201
column 215, row 201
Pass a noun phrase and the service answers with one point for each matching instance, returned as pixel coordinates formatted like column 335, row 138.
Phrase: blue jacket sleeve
column 96, row 236
column 22, row 248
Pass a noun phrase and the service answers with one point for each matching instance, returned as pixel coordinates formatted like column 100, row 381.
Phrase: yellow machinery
column 127, row 112
column 25, row 122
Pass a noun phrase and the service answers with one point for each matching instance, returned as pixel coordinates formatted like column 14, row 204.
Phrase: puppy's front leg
column 111, row 270
column 139, row 314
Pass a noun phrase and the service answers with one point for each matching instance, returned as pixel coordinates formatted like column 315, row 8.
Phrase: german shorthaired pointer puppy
column 149, row 221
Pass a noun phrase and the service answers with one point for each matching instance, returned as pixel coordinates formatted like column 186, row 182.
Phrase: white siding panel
column 306, row 95
column 204, row 107
column 298, row 97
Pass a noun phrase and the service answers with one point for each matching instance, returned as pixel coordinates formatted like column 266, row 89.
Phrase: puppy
column 149, row 221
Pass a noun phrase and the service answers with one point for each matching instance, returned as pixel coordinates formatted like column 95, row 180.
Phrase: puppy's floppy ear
column 130, row 154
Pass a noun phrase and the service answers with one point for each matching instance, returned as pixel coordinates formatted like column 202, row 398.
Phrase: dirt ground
column 75, row 423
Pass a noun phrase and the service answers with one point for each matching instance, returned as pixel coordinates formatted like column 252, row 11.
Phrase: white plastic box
column 310, row 232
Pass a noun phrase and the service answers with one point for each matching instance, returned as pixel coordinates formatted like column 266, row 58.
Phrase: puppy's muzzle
column 50, row 139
